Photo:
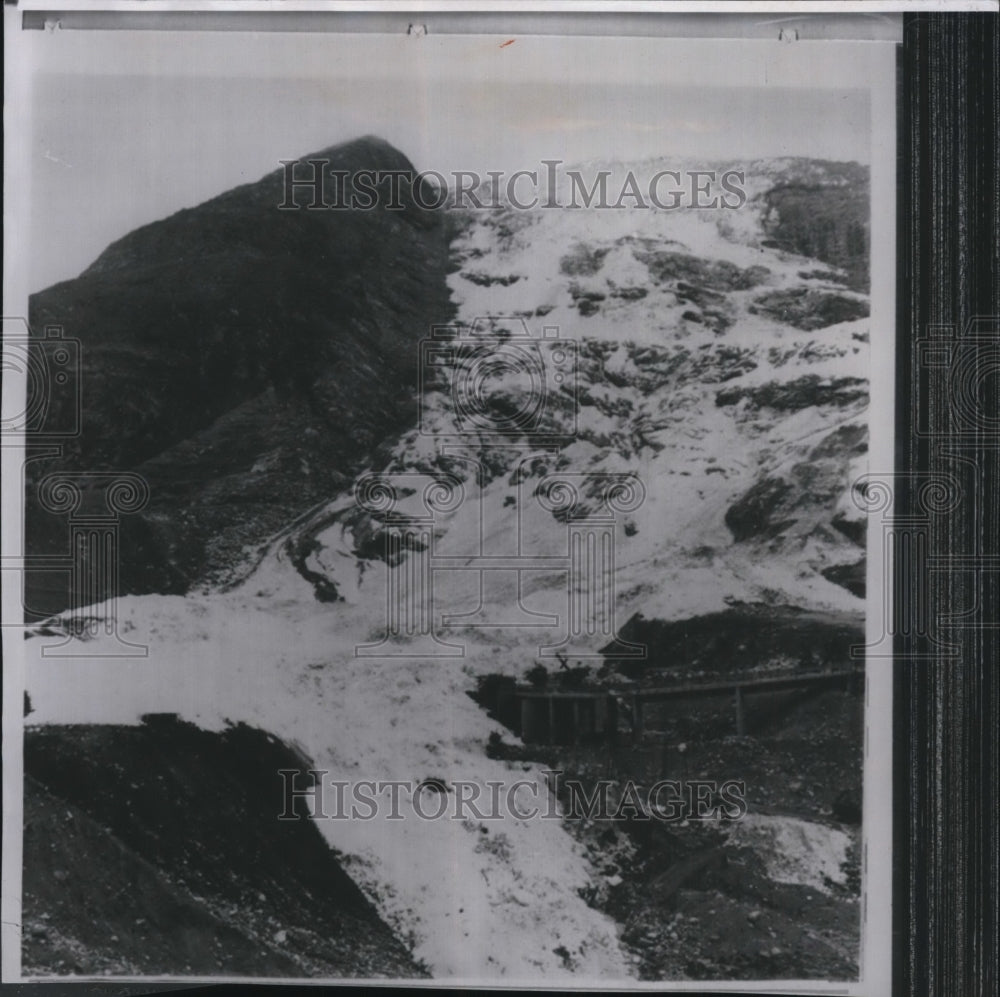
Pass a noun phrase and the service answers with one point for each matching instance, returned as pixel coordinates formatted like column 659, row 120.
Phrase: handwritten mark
column 510, row 41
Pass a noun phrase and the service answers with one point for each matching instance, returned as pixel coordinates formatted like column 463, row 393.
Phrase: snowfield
column 502, row 898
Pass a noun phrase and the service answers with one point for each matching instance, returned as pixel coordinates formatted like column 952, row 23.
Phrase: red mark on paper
column 510, row 41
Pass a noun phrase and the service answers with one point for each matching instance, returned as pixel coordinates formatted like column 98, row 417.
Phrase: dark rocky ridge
column 728, row 640
column 156, row 849
column 245, row 360
column 821, row 209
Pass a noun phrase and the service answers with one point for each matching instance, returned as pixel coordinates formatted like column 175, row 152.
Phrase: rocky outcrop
column 820, row 209
column 729, row 640
column 245, row 360
column 809, row 309
column 156, row 849
column 851, row 576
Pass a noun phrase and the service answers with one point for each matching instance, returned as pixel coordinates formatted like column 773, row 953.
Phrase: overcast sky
column 127, row 127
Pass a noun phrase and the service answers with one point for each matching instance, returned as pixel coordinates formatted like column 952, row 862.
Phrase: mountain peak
column 365, row 152
column 250, row 351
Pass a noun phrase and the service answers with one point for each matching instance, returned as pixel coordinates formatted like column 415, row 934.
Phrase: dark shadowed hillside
column 822, row 211
column 245, row 360
column 157, row 849
column 740, row 636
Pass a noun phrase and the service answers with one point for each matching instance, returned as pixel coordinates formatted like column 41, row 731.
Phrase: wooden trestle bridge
column 561, row 716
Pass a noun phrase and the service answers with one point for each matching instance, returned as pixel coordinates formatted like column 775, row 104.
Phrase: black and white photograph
column 446, row 470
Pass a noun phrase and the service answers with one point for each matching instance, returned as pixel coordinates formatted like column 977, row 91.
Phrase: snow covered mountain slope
column 712, row 407
column 728, row 377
